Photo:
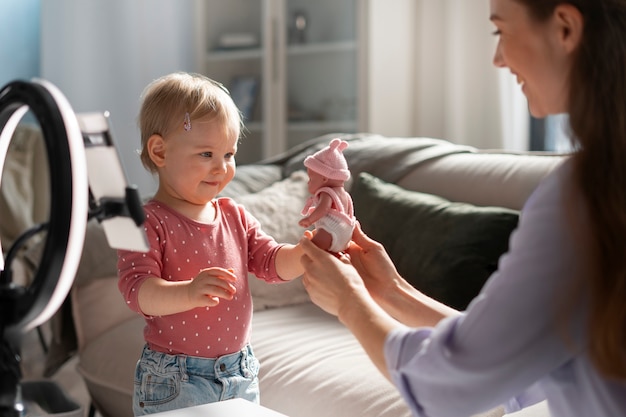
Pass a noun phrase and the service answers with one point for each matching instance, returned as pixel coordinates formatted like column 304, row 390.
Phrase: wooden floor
column 33, row 360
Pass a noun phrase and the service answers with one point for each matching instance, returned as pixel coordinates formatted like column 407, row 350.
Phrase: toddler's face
column 198, row 163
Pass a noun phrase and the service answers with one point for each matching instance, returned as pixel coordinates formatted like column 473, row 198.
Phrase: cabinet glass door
column 232, row 50
column 292, row 67
column 322, row 68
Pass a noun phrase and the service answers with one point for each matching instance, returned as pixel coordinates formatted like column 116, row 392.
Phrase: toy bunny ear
column 338, row 144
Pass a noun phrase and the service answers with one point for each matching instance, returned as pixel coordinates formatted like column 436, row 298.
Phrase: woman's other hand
column 373, row 264
column 385, row 285
column 330, row 280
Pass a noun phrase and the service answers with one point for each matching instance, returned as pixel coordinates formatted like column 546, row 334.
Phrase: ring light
column 70, row 140
column 69, row 200
column 24, row 308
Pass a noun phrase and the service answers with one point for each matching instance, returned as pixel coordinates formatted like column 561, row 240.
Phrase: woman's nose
column 498, row 61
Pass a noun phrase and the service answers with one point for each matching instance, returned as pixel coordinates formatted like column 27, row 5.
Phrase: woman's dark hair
column 597, row 114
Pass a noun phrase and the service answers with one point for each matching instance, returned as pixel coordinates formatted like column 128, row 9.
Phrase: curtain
column 460, row 95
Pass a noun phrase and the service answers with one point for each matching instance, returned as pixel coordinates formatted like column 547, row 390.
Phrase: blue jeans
column 167, row 382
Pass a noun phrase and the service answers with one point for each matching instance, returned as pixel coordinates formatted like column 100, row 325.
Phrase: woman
column 551, row 322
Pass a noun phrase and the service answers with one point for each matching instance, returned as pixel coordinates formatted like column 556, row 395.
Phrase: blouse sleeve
column 511, row 335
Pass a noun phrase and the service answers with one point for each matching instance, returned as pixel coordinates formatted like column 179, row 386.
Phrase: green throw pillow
column 445, row 249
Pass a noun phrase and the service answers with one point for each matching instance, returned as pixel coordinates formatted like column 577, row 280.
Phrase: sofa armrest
column 482, row 178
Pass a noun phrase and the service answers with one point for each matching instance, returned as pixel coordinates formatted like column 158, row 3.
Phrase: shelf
column 304, row 89
column 321, row 47
column 292, row 50
column 326, row 125
column 234, row 54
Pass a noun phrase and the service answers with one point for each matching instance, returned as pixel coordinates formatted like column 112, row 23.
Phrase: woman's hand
column 329, row 280
column 211, row 284
column 392, row 292
column 373, row 264
column 334, row 285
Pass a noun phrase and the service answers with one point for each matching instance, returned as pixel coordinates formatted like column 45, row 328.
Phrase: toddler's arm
column 288, row 263
column 158, row 297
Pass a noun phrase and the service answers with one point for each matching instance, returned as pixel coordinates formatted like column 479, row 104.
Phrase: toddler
column 192, row 286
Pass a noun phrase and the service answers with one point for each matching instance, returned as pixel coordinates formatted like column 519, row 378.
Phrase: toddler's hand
column 210, row 285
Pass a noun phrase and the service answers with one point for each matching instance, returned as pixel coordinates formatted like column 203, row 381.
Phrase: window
column 550, row 134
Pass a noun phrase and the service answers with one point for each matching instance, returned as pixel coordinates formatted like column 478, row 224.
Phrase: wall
column 19, row 40
column 426, row 77
column 101, row 54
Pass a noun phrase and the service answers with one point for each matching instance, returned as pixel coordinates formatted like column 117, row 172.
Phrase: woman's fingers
column 359, row 237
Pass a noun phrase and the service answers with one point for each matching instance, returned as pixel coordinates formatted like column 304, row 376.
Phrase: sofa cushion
column 98, row 260
column 251, row 179
column 278, row 208
column 446, row 250
column 311, row 365
column 25, row 191
column 109, row 377
column 90, row 301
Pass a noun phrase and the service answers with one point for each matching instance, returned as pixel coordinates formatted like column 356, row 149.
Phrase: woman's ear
column 156, row 149
column 570, row 24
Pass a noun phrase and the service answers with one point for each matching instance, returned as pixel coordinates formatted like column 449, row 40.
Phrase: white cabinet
column 305, row 82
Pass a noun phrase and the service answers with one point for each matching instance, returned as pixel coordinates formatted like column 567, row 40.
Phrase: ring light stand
column 25, row 308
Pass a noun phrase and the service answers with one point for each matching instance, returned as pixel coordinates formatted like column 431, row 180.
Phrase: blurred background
column 401, row 68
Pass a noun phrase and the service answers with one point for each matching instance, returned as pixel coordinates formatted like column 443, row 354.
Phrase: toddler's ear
column 156, row 149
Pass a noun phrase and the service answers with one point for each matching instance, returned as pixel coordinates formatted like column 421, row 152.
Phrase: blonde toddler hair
column 168, row 99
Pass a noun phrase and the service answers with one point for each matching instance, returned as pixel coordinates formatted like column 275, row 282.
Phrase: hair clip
column 187, row 122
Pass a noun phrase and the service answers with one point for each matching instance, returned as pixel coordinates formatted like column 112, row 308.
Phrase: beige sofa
column 310, row 364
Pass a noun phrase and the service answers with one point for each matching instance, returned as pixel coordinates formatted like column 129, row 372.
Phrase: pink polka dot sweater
column 179, row 249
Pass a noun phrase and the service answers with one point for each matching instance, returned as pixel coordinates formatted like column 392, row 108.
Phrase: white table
column 228, row 408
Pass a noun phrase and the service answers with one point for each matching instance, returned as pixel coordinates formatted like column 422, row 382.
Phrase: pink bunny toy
column 329, row 207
